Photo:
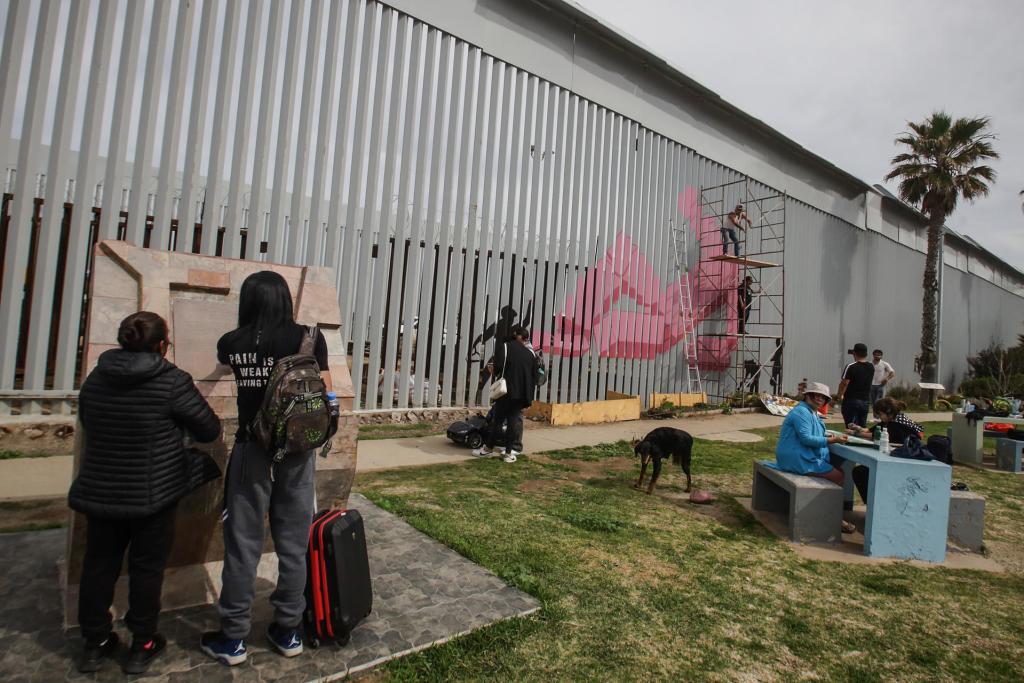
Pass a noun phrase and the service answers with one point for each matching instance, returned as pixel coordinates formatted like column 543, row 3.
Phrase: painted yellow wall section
column 677, row 399
column 618, row 408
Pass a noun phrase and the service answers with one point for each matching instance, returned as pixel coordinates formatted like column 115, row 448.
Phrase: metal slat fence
column 454, row 194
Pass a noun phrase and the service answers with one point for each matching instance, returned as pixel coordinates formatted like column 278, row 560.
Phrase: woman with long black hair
column 266, row 333
column 134, row 407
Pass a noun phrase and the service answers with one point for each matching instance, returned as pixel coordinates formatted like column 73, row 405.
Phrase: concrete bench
column 966, row 519
column 1008, row 454
column 813, row 506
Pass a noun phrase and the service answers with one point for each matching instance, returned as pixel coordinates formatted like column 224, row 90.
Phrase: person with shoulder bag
column 513, row 385
column 284, row 411
column 134, row 408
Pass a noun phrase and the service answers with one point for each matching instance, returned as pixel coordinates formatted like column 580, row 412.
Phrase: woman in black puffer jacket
column 134, row 407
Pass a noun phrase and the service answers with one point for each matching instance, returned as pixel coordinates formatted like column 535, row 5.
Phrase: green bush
column 979, row 387
column 912, row 396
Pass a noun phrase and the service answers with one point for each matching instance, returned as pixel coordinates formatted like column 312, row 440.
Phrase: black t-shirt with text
column 860, row 375
column 238, row 349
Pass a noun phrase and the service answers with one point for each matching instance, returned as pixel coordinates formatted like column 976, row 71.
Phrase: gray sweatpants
column 251, row 497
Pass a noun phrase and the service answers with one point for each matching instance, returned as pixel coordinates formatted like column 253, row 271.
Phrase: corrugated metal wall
column 454, row 193
column 847, row 285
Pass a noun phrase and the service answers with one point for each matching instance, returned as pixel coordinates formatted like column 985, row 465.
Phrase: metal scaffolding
column 741, row 299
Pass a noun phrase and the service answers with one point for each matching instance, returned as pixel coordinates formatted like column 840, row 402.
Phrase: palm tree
column 943, row 164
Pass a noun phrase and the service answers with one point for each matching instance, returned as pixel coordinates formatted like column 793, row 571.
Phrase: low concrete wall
column 678, row 400
column 617, row 408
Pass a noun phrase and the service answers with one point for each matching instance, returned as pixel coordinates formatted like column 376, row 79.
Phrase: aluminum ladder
column 680, row 249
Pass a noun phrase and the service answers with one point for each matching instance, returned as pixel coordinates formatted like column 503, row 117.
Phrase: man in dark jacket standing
column 514, row 361
column 134, row 469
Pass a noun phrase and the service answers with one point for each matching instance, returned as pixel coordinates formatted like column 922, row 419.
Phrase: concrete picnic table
column 907, row 506
column 968, row 434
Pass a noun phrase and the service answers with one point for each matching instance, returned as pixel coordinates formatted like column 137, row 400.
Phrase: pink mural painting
column 592, row 314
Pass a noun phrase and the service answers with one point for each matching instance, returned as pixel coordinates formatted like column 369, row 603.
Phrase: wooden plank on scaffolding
column 744, row 261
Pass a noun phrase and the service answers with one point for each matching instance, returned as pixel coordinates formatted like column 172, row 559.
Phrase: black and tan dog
column 661, row 443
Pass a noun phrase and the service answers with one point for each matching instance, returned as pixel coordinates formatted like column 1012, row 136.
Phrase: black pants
column 506, row 410
column 855, row 411
column 743, row 306
column 860, row 475
column 148, row 541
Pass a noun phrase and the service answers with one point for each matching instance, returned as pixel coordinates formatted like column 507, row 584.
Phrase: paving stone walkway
column 424, row 593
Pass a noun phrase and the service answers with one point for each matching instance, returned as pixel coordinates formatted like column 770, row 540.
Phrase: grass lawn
column 11, row 455
column 33, row 515
column 638, row 587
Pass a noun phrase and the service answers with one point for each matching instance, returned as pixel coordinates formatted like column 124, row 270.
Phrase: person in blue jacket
column 803, row 444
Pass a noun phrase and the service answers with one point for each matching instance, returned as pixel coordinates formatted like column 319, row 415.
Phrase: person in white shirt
column 883, row 373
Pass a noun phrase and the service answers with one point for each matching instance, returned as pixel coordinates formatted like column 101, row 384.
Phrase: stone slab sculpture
column 198, row 296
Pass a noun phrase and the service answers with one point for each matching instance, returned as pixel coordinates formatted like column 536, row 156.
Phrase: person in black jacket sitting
column 134, row 469
column 514, row 361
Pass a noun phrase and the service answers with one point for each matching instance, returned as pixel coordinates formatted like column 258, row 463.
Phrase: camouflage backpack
column 295, row 416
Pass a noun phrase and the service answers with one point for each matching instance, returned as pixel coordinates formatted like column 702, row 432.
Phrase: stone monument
column 198, row 296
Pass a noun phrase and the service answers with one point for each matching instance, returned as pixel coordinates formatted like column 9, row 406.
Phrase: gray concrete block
column 813, row 506
column 966, row 519
column 1008, row 454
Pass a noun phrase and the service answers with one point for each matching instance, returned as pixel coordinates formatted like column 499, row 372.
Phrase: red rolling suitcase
column 338, row 590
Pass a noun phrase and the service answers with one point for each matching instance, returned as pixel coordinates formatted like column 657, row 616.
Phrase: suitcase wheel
column 342, row 640
column 314, row 642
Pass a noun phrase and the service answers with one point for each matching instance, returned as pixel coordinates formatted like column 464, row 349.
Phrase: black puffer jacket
column 133, row 408
column 517, row 364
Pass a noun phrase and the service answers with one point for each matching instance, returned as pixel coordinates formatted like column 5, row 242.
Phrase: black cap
column 859, row 349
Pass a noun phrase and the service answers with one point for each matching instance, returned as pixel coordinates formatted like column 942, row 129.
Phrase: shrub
column 979, row 387
column 912, row 396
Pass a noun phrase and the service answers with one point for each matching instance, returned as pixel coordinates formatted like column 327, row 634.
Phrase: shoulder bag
column 499, row 387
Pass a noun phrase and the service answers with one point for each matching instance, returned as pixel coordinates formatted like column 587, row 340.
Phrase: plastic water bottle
column 883, row 442
column 332, row 401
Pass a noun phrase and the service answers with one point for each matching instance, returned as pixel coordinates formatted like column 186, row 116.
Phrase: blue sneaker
column 285, row 640
column 230, row 651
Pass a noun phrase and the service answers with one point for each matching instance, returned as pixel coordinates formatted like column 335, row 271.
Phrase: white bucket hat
column 818, row 388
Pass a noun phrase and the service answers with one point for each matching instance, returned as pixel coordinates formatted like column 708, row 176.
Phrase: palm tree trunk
column 926, row 361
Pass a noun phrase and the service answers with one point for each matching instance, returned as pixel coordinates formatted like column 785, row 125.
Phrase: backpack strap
column 308, row 340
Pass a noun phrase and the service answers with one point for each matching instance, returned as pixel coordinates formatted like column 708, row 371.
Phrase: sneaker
column 230, row 651
column 482, row 452
column 848, row 527
column 510, row 456
column 285, row 640
column 144, row 652
column 94, row 653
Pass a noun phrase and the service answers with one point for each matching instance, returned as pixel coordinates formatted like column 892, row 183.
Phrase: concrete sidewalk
column 26, row 478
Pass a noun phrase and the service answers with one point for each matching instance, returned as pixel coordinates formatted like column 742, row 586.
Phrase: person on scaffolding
column 731, row 226
column 744, row 302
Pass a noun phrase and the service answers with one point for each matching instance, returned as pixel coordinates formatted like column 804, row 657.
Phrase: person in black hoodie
column 257, row 489
column 134, row 407
column 514, row 361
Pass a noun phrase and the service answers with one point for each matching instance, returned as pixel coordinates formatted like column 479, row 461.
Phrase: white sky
column 843, row 78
